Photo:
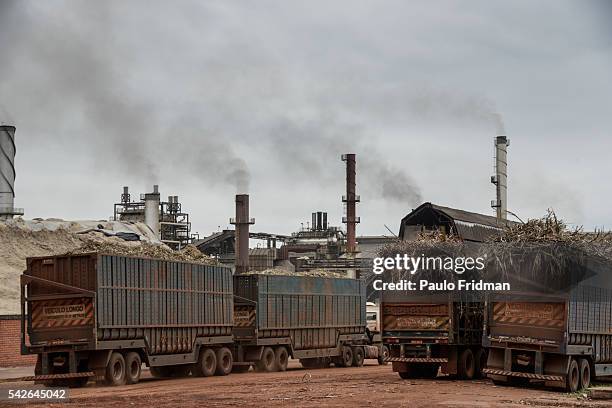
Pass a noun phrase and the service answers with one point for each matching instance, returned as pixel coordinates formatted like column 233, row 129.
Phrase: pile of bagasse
column 548, row 245
column 144, row 250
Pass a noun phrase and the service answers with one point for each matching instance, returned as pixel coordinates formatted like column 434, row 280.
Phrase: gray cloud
column 206, row 95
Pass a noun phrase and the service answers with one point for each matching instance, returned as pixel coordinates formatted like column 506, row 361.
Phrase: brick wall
column 10, row 343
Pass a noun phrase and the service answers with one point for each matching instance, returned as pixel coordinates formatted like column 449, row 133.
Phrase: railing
column 11, row 211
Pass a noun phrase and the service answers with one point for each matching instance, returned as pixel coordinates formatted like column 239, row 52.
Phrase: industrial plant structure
column 165, row 218
column 7, row 173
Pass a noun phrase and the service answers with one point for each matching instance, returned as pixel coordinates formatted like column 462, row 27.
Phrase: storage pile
column 20, row 239
column 547, row 247
column 312, row 273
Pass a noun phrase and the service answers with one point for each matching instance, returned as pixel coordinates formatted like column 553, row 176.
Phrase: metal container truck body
column 561, row 341
column 425, row 336
column 102, row 315
column 315, row 319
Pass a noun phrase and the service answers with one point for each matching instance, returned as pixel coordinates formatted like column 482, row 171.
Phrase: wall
column 10, row 343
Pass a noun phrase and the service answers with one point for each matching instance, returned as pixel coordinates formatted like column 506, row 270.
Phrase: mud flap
column 450, row 367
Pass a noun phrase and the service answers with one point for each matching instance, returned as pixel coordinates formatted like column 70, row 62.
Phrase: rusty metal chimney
column 350, row 199
column 500, row 179
column 242, row 222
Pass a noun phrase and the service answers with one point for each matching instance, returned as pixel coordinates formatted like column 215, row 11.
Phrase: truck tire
column 115, row 370
column 206, row 364
column 585, row 373
column 480, row 359
column 346, row 359
column 358, row 356
column 572, row 381
column 133, row 367
column 384, row 354
column 267, row 363
column 282, row 358
column 224, row 361
column 466, row 366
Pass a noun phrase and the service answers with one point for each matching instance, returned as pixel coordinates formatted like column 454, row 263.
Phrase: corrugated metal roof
column 466, row 216
column 468, row 225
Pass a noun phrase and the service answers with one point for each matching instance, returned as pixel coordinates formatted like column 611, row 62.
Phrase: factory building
column 469, row 226
column 166, row 219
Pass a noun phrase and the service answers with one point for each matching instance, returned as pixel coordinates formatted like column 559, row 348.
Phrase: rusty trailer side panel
column 416, row 316
column 311, row 311
column 163, row 303
column 452, row 322
column 546, row 321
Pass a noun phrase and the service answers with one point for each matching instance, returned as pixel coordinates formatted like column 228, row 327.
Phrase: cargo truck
column 317, row 320
column 556, row 333
column 102, row 316
column 430, row 334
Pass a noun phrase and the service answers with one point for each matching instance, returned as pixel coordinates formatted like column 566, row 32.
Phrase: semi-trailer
column 318, row 320
column 96, row 315
column 555, row 326
column 431, row 333
column 102, row 316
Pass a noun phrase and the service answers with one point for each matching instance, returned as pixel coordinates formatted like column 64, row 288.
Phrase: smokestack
column 7, row 173
column 500, row 179
column 242, row 222
column 351, row 199
column 152, row 210
column 125, row 197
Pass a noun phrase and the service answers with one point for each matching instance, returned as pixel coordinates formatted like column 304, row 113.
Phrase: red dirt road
column 371, row 385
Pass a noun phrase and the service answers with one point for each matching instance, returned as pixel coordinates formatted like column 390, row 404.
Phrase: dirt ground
column 371, row 385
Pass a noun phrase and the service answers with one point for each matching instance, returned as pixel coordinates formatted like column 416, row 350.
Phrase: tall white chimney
column 152, row 210
column 500, row 179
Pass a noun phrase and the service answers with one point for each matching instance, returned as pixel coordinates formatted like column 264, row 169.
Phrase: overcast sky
column 208, row 99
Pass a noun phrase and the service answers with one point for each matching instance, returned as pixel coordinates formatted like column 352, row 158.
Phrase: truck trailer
column 553, row 328
column 317, row 320
column 102, row 316
column 430, row 334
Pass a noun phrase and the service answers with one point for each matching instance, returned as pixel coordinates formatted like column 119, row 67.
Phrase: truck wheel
column 224, row 361
column 585, row 373
column 267, row 363
column 347, row 356
column 207, row 363
column 358, row 356
column 572, row 381
column 115, row 370
column 133, row 366
column 384, row 354
column 282, row 358
column 466, row 365
column 480, row 359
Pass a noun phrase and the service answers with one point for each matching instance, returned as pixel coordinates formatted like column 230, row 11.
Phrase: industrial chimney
column 242, row 222
column 7, row 173
column 351, row 199
column 500, row 179
column 152, row 210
